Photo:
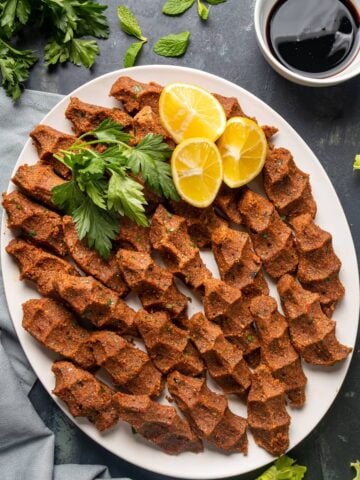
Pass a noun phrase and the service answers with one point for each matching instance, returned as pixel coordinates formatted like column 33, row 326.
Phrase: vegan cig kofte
column 246, row 345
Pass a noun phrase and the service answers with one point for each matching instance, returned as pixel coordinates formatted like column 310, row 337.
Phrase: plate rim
column 355, row 302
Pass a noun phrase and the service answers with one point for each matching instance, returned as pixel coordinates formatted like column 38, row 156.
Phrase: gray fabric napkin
column 26, row 444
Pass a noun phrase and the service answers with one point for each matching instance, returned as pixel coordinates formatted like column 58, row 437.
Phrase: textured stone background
column 329, row 121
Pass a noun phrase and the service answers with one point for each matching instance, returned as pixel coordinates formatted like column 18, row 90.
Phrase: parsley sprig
column 102, row 188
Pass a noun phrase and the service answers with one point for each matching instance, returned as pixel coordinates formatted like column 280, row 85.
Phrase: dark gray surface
column 329, row 121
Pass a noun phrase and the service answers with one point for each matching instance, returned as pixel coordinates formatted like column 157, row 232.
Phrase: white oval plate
column 324, row 384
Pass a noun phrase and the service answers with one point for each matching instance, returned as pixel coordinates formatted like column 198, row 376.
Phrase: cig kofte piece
column 312, row 332
column 85, row 395
column 88, row 259
column 272, row 238
column 39, row 224
column 319, row 266
column 160, row 424
column 276, row 349
column 267, row 415
column 168, row 346
column 208, row 413
column 224, row 361
column 154, row 285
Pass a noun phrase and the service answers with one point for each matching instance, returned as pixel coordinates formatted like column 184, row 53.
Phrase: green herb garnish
column 284, row 468
column 177, row 7
column 356, row 466
column 130, row 25
column 173, row 45
column 356, row 165
column 101, row 189
column 202, row 10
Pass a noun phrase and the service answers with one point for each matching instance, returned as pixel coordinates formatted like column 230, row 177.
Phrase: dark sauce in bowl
column 316, row 38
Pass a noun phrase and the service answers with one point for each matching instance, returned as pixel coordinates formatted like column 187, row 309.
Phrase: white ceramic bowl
column 261, row 15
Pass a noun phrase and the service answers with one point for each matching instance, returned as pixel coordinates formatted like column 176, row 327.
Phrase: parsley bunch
column 102, row 189
column 64, row 22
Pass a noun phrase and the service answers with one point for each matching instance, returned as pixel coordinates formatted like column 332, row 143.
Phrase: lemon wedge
column 243, row 148
column 197, row 171
column 187, row 111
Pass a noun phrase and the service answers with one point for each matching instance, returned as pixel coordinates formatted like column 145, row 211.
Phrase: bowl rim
column 346, row 74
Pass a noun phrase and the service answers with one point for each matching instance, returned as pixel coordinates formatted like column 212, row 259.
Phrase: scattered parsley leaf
column 78, row 51
column 15, row 68
column 177, row 7
column 215, row 2
column 99, row 228
column 129, row 23
column 284, row 468
column 13, row 14
column 356, row 165
column 172, row 45
column 202, row 10
column 132, row 53
column 356, row 466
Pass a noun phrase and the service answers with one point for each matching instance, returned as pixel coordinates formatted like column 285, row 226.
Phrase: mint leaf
column 356, row 165
column 129, row 23
column 99, row 228
column 132, row 53
column 177, row 7
column 356, row 466
column 203, row 11
column 172, row 45
column 284, row 468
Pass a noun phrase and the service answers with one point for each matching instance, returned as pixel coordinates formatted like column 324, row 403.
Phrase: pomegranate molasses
column 314, row 37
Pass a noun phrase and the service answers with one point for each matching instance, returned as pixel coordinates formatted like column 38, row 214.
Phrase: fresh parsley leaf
column 68, row 196
column 15, row 68
column 356, row 165
column 356, row 466
column 149, row 158
column 129, row 23
column 132, row 53
column 78, row 51
column 125, row 196
column 91, row 19
column 99, row 227
column 13, row 14
column 172, row 45
column 284, row 468
column 71, row 18
column 108, row 131
column 215, row 2
column 177, row 7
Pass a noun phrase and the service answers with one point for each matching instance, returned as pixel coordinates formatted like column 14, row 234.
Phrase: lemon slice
column 243, row 148
column 188, row 111
column 197, row 171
